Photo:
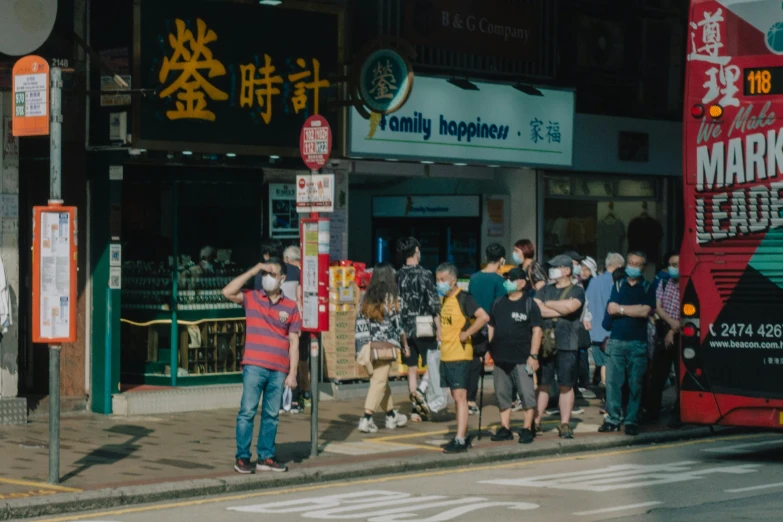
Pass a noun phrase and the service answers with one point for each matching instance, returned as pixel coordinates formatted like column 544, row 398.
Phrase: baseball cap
column 563, row 260
column 573, row 255
column 515, row 274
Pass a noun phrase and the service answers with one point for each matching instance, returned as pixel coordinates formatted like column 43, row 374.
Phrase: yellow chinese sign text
column 191, row 58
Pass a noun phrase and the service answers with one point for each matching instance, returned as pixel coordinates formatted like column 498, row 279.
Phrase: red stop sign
column 315, row 142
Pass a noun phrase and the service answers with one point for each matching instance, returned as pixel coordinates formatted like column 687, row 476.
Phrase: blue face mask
column 510, row 286
column 516, row 258
column 633, row 271
column 577, row 270
column 443, row 288
column 674, row 272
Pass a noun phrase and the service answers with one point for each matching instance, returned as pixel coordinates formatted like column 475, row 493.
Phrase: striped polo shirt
column 268, row 326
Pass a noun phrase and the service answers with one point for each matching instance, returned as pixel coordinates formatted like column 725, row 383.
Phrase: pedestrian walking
column 269, row 361
column 561, row 308
column 461, row 318
column 379, row 338
column 485, row 286
column 627, row 315
column 515, row 339
column 420, row 313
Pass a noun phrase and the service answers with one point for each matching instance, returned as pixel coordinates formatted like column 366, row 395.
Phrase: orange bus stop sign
column 31, row 97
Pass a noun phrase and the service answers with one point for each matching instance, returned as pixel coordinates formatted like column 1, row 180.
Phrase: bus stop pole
column 315, row 351
column 55, row 197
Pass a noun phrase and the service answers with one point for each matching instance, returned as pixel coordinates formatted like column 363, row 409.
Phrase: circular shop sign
column 315, row 142
column 385, row 81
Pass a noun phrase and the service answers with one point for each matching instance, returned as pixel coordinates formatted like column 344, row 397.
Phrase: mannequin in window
column 610, row 234
column 645, row 234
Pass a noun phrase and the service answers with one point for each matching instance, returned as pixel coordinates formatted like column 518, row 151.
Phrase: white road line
column 737, row 449
column 754, row 488
column 617, row 508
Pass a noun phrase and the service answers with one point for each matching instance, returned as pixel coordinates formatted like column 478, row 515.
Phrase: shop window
column 598, row 216
column 182, row 243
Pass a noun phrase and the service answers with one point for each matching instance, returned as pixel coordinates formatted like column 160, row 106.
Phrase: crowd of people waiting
column 564, row 328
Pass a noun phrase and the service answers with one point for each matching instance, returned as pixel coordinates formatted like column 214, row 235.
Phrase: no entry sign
column 315, row 142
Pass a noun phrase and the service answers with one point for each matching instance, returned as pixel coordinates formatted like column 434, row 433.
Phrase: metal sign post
column 315, row 351
column 55, row 198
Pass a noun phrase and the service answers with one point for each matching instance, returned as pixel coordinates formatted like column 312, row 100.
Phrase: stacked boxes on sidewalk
column 346, row 283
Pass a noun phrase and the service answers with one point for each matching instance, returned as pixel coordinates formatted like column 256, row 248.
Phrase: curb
column 147, row 494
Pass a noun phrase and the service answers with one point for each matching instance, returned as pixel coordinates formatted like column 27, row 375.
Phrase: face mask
column 577, row 270
column 516, row 258
column 555, row 273
column 510, row 286
column 270, row 283
column 443, row 288
column 674, row 272
column 633, row 271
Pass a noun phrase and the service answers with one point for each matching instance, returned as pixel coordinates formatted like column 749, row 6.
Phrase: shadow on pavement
column 111, row 453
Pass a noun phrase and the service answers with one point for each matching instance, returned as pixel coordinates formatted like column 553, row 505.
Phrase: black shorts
column 455, row 374
column 563, row 364
column 304, row 346
column 419, row 347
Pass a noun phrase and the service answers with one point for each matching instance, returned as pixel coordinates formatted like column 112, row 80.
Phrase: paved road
column 729, row 479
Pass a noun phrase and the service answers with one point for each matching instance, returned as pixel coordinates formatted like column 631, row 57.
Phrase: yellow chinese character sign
column 229, row 73
column 191, row 60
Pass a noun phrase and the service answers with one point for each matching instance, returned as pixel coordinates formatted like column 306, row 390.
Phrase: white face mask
column 270, row 283
column 555, row 273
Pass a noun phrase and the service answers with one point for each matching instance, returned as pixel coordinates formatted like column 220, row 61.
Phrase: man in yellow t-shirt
column 461, row 317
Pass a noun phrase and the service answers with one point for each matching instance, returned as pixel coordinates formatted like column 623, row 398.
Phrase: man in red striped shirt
column 269, row 362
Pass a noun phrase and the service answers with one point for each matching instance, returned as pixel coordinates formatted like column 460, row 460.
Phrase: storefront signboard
column 315, row 142
column 499, row 28
column 315, row 193
column 385, row 81
column 425, row 206
column 228, row 77
column 496, row 124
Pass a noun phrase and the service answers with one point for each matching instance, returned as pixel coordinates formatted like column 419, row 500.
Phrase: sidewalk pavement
column 145, row 459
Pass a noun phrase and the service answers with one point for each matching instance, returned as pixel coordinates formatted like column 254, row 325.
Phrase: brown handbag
column 382, row 351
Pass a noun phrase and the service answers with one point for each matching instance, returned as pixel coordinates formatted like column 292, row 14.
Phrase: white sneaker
column 397, row 421
column 368, row 425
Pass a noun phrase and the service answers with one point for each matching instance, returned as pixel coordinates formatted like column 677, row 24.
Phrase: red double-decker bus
column 732, row 255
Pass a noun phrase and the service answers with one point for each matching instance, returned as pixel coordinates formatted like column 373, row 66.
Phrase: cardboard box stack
column 339, row 342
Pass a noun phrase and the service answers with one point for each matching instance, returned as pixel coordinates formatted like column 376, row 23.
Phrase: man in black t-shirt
column 515, row 339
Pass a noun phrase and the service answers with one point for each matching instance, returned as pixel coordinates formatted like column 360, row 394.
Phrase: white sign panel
column 425, row 206
column 310, row 275
column 30, row 90
column 495, row 125
column 315, row 193
column 55, row 283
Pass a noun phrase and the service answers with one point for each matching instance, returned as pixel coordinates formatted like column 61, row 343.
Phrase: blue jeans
column 257, row 381
column 625, row 360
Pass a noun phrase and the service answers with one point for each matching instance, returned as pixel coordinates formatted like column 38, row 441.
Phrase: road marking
column 754, row 488
column 380, row 505
column 42, row 485
column 390, row 478
column 623, row 476
column 618, row 508
column 739, row 449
